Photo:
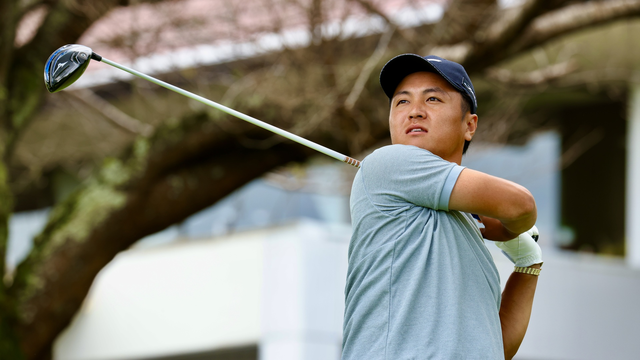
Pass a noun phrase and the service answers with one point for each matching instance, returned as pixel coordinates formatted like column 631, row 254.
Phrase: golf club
column 69, row 62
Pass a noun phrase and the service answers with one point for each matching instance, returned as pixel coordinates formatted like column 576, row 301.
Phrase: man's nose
column 417, row 112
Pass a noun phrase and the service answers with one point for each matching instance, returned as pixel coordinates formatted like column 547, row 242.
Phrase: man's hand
column 523, row 251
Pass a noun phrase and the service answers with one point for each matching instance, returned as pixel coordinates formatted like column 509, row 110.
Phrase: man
column 421, row 283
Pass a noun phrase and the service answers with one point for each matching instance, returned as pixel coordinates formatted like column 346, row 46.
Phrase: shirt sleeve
column 399, row 175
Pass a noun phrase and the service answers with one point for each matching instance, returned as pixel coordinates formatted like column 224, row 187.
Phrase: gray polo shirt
column 421, row 283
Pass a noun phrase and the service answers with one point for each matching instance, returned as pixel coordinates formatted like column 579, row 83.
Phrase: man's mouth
column 416, row 130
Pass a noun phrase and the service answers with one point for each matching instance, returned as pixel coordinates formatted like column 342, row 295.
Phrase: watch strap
column 527, row 270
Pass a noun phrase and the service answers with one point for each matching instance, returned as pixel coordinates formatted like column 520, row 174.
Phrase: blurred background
column 138, row 224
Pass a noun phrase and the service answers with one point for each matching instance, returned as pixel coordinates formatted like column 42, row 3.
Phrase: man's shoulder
column 400, row 152
column 399, row 148
column 393, row 160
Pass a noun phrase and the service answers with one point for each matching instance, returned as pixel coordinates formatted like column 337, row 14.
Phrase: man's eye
column 433, row 99
column 402, row 102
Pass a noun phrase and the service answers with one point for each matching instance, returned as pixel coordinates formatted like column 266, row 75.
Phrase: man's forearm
column 494, row 230
column 515, row 310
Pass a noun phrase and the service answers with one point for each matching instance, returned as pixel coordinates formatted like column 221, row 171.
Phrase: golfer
column 421, row 283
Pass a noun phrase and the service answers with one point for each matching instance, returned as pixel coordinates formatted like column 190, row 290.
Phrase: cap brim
column 396, row 69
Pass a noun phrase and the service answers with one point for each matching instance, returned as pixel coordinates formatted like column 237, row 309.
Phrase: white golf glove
column 523, row 251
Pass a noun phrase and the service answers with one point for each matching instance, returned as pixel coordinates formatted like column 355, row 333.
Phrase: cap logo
column 434, row 60
column 470, row 90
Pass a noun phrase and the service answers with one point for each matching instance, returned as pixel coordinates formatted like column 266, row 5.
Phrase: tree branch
column 373, row 60
column 534, row 78
column 162, row 180
column 581, row 146
column 64, row 23
column 372, row 9
column 532, row 25
column 114, row 115
column 574, row 17
column 488, row 45
column 456, row 24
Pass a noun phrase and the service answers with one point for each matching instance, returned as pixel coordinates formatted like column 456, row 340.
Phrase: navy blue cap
column 396, row 69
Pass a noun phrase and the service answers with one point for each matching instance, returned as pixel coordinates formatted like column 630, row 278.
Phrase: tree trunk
column 161, row 182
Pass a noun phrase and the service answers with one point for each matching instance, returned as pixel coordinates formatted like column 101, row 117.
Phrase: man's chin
column 416, row 142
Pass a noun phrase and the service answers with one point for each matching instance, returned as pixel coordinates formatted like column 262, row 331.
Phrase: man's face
column 426, row 112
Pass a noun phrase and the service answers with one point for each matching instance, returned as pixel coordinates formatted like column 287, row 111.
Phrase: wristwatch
column 527, row 270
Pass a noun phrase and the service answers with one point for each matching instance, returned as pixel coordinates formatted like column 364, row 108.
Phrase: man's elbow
column 523, row 211
column 527, row 208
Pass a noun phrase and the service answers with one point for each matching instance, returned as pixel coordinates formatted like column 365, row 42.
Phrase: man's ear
column 471, row 123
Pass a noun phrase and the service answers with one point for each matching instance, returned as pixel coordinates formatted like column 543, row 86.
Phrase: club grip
column 352, row 161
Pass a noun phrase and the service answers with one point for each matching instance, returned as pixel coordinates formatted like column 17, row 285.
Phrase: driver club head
column 65, row 66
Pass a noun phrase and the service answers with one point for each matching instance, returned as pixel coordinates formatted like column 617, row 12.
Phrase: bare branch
column 605, row 75
column 504, row 39
column 373, row 60
column 374, row 10
column 456, row 24
column 575, row 17
column 457, row 52
column 487, row 45
column 512, row 22
column 534, row 78
column 581, row 146
column 114, row 115
column 500, row 120
column 490, row 44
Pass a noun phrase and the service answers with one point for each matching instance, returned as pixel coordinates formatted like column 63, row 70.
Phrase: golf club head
column 65, row 66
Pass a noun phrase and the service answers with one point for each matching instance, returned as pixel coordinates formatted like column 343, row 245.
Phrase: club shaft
column 300, row 140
